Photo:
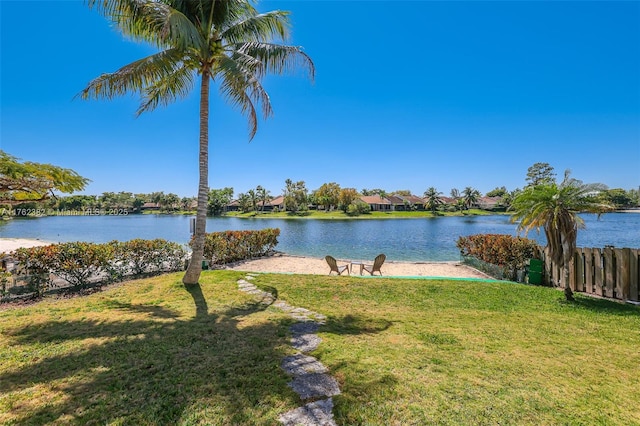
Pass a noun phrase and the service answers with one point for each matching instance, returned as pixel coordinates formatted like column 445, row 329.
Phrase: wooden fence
column 609, row 272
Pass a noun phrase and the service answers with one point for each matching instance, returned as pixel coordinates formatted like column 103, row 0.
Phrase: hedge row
column 231, row 246
column 507, row 252
column 80, row 263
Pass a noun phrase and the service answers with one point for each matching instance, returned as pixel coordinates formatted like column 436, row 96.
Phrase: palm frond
column 278, row 59
column 152, row 21
column 241, row 100
column 134, row 77
column 173, row 27
column 168, row 89
column 258, row 28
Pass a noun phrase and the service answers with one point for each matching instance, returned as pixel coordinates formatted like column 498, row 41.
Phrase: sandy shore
column 10, row 244
column 283, row 263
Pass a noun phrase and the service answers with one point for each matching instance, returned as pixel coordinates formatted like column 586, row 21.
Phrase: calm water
column 430, row 239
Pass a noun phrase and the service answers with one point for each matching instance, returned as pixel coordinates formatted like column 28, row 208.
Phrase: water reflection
column 429, row 239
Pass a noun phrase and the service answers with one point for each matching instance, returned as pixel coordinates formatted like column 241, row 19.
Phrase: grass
column 404, row 351
column 339, row 214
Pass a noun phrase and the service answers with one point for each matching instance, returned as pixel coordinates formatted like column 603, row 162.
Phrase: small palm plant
column 555, row 208
column 222, row 41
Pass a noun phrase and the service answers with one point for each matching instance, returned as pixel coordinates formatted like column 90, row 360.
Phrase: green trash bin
column 535, row 271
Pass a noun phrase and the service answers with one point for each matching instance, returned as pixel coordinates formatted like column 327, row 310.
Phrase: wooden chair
column 333, row 264
column 377, row 263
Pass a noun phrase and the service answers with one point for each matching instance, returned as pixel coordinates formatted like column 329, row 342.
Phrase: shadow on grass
column 351, row 324
column 214, row 368
column 161, row 370
column 603, row 306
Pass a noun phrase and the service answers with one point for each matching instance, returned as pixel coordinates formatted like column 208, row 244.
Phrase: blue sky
column 407, row 95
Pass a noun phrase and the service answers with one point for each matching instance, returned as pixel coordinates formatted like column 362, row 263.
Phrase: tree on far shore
column 224, row 41
column 540, row 173
column 470, row 196
column 433, row 199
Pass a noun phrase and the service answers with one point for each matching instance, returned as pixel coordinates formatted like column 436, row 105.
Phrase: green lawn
column 339, row 214
column 404, row 351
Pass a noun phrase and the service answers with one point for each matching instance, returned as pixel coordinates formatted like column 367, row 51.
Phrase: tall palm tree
column 433, row 198
column 224, row 41
column 555, row 208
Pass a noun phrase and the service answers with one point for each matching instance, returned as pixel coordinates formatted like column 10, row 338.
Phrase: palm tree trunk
column 568, row 293
column 192, row 276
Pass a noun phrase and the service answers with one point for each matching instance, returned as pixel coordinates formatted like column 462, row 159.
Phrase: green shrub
column 357, row 208
column 75, row 262
column 509, row 253
column 34, row 266
column 5, row 279
column 79, row 263
column 144, row 257
column 231, row 246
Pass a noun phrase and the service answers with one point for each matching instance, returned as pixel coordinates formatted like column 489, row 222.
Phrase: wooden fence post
column 588, row 270
column 579, row 269
column 609, row 271
column 634, row 275
column 597, row 271
column 622, row 273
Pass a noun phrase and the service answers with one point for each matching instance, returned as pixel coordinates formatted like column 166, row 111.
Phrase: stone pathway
column 310, row 378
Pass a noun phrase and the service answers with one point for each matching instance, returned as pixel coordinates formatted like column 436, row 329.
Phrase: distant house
column 397, row 203
column 449, row 201
column 276, row 203
column 150, row 206
column 377, row 203
column 415, row 202
column 233, row 206
column 489, row 203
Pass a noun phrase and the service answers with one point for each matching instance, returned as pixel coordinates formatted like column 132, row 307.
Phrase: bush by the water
column 508, row 253
column 80, row 263
column 231, row 246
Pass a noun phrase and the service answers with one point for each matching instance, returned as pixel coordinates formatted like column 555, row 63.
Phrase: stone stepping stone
column 298, row 365
column 284, row 306
column 309, row 327
column 318, row 413
column 305, row 342
column 301, row 317
column 314, row 385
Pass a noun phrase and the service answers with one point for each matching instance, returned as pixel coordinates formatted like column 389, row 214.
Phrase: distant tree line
column 297, row 198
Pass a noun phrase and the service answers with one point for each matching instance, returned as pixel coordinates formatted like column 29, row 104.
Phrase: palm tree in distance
column 433, row 198
column 225, row 41
column 470, row 196
column 555, row 208
column 264, row 195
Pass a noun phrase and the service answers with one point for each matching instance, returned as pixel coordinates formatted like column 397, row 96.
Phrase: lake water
column 425, row 239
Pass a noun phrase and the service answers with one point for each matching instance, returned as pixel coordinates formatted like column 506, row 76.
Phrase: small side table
column 361, row 264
